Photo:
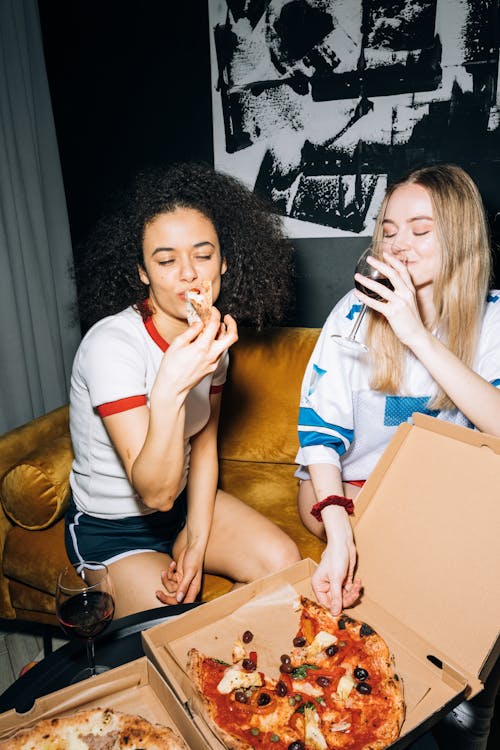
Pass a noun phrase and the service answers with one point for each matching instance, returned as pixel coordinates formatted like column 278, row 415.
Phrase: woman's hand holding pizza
column 195, row 353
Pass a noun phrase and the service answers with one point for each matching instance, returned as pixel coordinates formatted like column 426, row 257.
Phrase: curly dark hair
column 257, row 288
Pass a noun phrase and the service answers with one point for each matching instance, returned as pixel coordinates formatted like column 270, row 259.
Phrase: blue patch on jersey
column 492, row 298
column 354, row 309
column 315, row 378
column 398, row 409
column 496, row 382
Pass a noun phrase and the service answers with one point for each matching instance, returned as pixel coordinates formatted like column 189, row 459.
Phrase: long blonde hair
column 461, row 283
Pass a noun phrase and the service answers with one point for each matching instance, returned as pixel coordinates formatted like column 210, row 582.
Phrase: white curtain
column 38, row 329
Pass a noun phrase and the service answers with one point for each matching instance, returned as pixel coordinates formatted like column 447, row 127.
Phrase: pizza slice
column 243, row 707
column 362, row 696
column 199, row 303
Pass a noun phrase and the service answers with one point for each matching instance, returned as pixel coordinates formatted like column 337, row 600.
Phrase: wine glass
column 376, row 249
column 85, row 605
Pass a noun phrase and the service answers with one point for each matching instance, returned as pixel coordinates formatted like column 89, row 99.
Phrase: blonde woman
column 433, row 346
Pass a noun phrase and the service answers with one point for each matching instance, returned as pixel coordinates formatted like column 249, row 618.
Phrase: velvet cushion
column 260, row 404
column 35, row 491
column 35, row 558
column 40, row 607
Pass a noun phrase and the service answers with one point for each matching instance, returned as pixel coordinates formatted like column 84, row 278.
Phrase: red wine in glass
column 369, row 292
column 86, row 615
column 376, row 249
column 85, row 606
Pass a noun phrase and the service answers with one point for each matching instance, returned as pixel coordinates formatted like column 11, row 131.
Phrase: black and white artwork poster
column 318, row 104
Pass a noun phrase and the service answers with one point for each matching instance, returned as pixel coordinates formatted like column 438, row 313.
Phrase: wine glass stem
column 358, row 322
column 91, row 656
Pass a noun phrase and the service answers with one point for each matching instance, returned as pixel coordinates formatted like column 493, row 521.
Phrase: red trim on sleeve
column 216, row 388
column 356, row 482
column 123, row 404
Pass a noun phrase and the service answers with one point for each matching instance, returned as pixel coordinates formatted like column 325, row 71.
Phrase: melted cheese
column 300, row 686
column 341, row 726
column 235, row 678
column 321, row 641
column 239, row 651
column 346, row 684
column 195, row 296
column 273, row 722
column 313, row 736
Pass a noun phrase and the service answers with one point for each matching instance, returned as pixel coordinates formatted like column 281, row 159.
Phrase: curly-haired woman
column 146, row 386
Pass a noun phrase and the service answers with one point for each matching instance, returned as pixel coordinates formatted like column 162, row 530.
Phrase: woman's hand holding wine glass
column 398, row 301
column 366, row 271
column 85, row 605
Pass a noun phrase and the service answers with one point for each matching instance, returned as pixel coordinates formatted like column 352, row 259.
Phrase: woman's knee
column 281, row 555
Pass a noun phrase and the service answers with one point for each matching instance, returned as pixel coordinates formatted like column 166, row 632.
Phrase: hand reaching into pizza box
column 337, row 689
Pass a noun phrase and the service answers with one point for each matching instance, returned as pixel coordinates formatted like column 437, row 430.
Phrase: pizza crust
column 194, row 670
column 97, row 729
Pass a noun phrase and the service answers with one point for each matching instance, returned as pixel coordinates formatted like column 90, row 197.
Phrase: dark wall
column 131, row 86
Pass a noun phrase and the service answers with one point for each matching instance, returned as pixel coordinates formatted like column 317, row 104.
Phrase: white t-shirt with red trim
column 114, row 370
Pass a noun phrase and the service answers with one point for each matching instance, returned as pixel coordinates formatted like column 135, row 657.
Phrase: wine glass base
column 352, row 344
column 87, row 672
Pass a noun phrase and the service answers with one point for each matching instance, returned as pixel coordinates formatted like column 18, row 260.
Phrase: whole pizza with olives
column 337, row 688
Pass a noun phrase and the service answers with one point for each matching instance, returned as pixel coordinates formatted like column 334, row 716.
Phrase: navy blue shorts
column 91, row 538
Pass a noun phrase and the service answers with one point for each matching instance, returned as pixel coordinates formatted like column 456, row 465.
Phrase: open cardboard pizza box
column 135, row 688
column 429, row 555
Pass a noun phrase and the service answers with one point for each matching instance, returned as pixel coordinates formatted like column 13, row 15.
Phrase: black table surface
column 119, row 644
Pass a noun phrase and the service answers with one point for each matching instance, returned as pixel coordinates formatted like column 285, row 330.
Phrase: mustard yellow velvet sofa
column 258, row 442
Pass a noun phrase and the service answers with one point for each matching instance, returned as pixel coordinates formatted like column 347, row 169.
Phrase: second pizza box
column 426, row 531
column 136, row 688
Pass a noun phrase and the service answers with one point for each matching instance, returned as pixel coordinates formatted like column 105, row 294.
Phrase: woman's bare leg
column 135, row 579
column 243, row 544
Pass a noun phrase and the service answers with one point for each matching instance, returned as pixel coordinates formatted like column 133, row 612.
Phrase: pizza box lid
column 136, row 688
column 428, row 541
column 419, row 564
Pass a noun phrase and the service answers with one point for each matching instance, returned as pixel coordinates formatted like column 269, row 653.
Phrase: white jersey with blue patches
column 343, row 421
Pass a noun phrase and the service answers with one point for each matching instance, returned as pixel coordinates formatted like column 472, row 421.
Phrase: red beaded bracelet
column 345, row 502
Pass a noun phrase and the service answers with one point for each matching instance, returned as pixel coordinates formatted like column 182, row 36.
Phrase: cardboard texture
column 428, row 541
column 135, row 688
column 426, row 533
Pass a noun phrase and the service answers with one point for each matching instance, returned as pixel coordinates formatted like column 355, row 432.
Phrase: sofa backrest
column 261, row 399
